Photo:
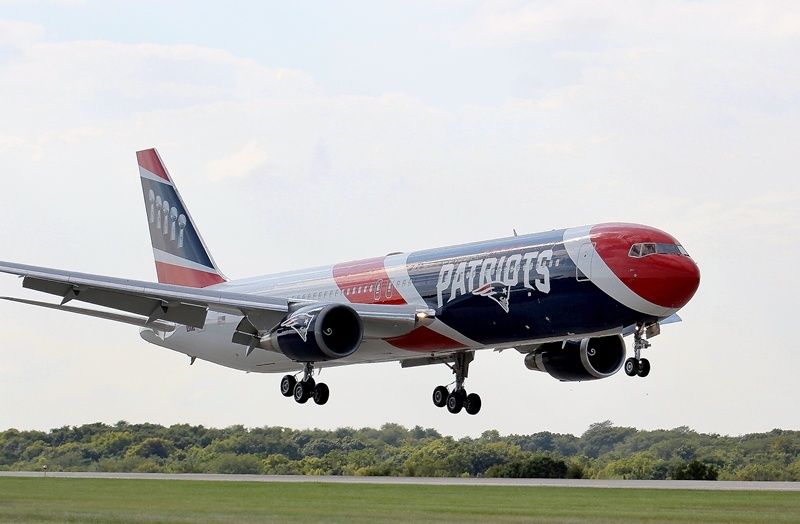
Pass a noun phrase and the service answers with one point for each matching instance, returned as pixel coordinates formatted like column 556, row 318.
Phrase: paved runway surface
column 567, row 483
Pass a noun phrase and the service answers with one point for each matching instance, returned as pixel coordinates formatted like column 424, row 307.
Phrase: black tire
column 644, row 368
column 311, row 384
column 301, row 393
column 287, row 385
column 321, row 394
column 440, row 396
column 473, row 404
column 631, row 367
column 455, row 401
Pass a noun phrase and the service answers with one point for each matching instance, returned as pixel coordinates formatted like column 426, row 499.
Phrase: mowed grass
column 85, row 500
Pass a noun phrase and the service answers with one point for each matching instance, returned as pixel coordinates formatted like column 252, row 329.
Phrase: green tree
column 531, row 466
column 695, row 470
column 151, row 448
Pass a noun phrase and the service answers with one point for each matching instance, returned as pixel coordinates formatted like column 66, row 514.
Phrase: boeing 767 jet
column 563, row 299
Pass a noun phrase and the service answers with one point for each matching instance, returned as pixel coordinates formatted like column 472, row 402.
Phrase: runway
column 425, row 481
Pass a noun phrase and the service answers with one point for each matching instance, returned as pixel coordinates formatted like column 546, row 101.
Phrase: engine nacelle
column 579, row 360
column 318, row 333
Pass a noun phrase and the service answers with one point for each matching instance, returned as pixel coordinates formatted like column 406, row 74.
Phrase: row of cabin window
column 347, row 292
column 652, row 248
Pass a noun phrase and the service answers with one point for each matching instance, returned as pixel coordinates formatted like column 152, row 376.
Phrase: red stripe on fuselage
column 366, row 282
column 184, row 276
column 149, row 160
column 424, row 339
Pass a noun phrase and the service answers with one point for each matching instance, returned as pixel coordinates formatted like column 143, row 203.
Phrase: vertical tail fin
column 181, row 256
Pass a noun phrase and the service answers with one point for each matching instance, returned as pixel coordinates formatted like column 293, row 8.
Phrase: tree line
column 604, row 451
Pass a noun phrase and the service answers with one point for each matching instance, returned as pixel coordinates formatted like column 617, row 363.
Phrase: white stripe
column 168, row 258
column 603, row 277
column 397, row 268
column 144, row 173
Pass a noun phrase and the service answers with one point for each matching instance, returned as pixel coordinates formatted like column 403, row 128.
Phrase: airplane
column 564, row 299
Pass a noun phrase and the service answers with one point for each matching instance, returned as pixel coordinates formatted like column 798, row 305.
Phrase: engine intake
column 579, row 360
column 318, row 333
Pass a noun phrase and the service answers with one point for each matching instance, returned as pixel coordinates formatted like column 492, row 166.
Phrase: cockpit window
column 667, row 249
column 651, row 248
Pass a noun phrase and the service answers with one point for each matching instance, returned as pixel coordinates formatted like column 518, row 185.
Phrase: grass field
column 84, row 500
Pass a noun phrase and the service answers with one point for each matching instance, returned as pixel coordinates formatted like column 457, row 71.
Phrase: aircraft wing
column 155, row 303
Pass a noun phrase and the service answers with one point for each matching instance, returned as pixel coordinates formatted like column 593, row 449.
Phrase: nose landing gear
column 637, row 365
column 458, row 399
column 305, row 389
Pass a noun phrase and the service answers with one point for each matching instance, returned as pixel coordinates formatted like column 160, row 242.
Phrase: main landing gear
column 305, row 389
column 458, row 399
column 637, row 365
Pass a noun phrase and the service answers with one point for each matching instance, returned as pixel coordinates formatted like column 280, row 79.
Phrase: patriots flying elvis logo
column 496, row 291
column 299, row 323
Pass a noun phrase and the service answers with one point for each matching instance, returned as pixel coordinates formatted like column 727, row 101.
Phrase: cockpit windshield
column 651, row 248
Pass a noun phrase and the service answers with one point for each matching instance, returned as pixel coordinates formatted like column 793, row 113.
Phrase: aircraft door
column 585, row 254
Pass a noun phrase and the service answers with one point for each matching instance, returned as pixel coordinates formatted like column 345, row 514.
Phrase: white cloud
column 19, row 34
column 239, row 164
column 508, row 22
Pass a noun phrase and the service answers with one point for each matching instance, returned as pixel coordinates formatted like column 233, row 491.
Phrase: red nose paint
column 666, row 280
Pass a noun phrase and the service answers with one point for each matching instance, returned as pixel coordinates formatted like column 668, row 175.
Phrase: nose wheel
column 305, row 389
column 637, row 365
column 457, row 399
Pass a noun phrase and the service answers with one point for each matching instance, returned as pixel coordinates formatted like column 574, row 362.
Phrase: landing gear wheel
column 440, row 396
column 302, row 392
column 288, row 383
column 631, row 367
column 455, row 401
column 321, row 394
column 644, row 368
column 473, row 404
column 310, row 384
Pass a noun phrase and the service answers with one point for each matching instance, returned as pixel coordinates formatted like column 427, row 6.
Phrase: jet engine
column 318, row 333
column 579, row 360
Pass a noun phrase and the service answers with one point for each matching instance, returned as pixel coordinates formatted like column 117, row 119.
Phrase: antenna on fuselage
column 515, row 232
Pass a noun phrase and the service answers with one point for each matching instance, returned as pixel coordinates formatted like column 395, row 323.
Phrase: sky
column 308, row 133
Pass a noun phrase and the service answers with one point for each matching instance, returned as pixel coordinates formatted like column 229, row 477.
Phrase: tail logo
column 166, row 218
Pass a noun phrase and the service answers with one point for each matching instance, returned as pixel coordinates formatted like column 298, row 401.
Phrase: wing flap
column 105, row 315
column 150, row 307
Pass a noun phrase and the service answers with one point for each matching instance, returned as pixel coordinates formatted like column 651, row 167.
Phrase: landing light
column 426, row 316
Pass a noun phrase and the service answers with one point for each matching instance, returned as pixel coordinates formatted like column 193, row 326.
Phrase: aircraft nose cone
column 683, row 278
column 665, row 280
column 669, row 281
